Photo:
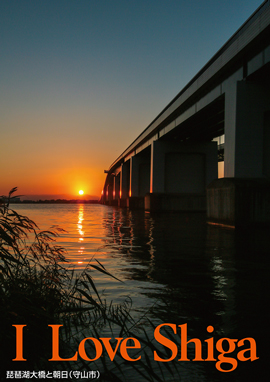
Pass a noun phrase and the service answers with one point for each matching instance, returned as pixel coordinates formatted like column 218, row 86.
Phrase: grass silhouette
column 38, row 289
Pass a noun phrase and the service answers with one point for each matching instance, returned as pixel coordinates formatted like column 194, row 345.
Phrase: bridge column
column 139, row 178
column 124, row 183
column 247, row 136
column 109, row 190
column 116, row 188
column 134, row 176
column 179, row 175
column 244, row 197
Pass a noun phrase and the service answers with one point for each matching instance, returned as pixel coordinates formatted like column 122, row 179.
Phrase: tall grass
column 38, row 288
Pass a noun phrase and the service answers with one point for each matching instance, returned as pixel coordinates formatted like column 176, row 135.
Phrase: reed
column 38, row 289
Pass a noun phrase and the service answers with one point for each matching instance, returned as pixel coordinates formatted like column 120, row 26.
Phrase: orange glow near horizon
column 53, row 181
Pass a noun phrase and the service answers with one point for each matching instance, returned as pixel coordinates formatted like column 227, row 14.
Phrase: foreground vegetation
column 37, row 289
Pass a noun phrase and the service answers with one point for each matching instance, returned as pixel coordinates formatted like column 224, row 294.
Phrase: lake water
column 188, row 271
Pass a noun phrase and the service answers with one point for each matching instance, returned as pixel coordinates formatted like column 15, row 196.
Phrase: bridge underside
column 204, row 126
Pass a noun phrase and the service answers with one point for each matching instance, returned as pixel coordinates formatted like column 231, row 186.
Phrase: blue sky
column 81, row 79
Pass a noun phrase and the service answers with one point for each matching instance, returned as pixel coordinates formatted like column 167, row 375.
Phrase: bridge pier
column 247, row 130
column 238, row 202
column 109, row 190
column 179, row 175
column 124, row 184
column 139, row 179
column 243, row 196
column 116, row 189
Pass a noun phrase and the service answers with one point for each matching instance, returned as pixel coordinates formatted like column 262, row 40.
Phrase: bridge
column 209, row 148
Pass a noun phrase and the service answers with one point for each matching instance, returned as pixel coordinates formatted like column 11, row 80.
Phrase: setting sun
column 81, row 192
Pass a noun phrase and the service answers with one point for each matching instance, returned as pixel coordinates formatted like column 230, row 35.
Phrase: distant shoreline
column 57, row 201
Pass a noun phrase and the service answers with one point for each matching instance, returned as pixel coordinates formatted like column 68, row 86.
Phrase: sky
column 81, row 79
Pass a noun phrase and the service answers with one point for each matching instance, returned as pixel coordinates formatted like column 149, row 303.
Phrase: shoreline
column 57, row 201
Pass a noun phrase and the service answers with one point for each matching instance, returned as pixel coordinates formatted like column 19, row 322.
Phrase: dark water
column 185, row 270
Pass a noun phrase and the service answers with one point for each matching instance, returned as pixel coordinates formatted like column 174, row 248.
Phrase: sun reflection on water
column 80, row 230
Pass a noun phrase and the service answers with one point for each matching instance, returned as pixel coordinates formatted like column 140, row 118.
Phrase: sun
column 81, row 192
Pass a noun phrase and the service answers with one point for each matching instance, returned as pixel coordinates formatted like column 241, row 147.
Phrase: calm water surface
column 190, row 271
